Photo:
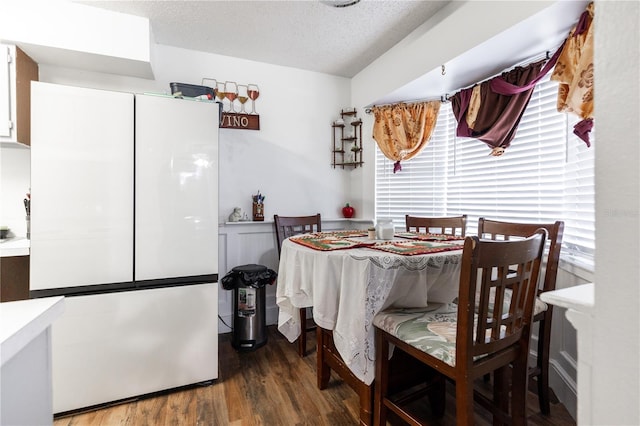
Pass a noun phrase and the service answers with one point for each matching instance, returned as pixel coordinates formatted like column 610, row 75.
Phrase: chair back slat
column 450, row 225
column 486, row 325
column 500, row 230
column 288, row 226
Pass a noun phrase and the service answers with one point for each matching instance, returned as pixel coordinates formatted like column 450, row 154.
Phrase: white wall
column 615, row 391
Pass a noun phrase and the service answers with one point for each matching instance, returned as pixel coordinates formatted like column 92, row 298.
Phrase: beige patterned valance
column 403, row 130
column 574, row 72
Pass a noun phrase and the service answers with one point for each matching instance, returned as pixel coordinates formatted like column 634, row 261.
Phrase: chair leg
column 543, row 390
column 500, row 394
column 519, row 376
column 464, row 403
column 544, row 338
column 436, row 395
column 302, row 339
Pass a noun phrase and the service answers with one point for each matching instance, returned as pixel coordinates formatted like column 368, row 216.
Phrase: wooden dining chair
column 449, row 225
column 287, row 226
column 498, row 230
column 465, row 341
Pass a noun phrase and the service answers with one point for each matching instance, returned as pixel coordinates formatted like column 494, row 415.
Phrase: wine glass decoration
column 220, row 91
column 243, row 97
column 226, row 93
column 253, row 91
column 231, row 92
column 214, row 86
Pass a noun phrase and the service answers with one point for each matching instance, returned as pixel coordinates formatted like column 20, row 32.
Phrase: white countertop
column 14, row 247
column 579, row 298
column 23, row 320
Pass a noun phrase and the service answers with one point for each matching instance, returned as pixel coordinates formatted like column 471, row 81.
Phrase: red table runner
column 428, row 237
column 329, row 242
column 339, row 240
column 412, row 248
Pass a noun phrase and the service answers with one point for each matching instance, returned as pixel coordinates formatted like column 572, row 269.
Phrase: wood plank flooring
column 270, row 386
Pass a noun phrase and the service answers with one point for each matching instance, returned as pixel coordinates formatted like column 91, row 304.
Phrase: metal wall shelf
column 347, row 149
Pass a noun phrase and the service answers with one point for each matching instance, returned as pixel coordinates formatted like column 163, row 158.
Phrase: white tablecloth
column 347, row 288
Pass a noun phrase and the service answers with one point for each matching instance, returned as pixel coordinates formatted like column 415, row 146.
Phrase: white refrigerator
column 124, row 222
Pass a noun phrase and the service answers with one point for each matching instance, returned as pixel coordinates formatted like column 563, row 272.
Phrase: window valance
column 574, row 72
column 403, row 130
column 490, row 111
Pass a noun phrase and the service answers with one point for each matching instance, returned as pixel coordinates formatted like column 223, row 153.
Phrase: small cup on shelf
column 372, row 233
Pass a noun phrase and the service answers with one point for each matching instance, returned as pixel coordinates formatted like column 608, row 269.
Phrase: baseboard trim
column 564, row 386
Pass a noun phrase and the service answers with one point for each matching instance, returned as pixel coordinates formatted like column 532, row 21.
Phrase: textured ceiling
column 301, row 34
column 311, row 35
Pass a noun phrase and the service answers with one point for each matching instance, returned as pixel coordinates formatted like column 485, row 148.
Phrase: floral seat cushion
column 431, row 329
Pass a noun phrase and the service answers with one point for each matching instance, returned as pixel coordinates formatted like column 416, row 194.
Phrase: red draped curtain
column 491, row 110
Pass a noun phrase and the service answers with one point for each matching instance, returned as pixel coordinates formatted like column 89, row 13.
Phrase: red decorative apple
column 348, row 211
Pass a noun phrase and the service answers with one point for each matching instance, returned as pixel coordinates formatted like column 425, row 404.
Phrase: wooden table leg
column 329, row 359
column 323, row 372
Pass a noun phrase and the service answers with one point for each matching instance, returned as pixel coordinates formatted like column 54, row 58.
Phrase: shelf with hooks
column 347, row 144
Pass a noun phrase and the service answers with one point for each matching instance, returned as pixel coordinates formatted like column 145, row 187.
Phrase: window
column 547, row 174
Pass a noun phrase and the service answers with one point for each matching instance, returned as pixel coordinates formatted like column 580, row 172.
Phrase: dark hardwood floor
column 270, row 386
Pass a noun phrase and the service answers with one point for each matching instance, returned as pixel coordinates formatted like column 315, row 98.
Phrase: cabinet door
column 176, row 188
column 81, row 187
column 5, row 92
column 14, row 278
column 17, row 72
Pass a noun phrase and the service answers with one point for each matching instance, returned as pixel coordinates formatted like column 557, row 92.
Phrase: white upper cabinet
column 16, row 73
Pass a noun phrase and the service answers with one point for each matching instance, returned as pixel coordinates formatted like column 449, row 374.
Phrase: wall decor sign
column 232, row 120
column 229, row 94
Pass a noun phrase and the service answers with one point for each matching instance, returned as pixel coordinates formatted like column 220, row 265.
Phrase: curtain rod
column 445, row 98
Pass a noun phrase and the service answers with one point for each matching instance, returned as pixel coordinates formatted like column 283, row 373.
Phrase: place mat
column 428, row 237
column 328, row 243
column 412, row 248
column 340, row 234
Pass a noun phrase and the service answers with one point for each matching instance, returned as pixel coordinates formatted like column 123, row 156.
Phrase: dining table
column 347, row 278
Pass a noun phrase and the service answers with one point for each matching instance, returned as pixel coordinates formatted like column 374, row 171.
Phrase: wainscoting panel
column 563, row 352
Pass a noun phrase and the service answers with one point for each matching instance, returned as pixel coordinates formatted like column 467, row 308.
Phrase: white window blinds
column 545, row 175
